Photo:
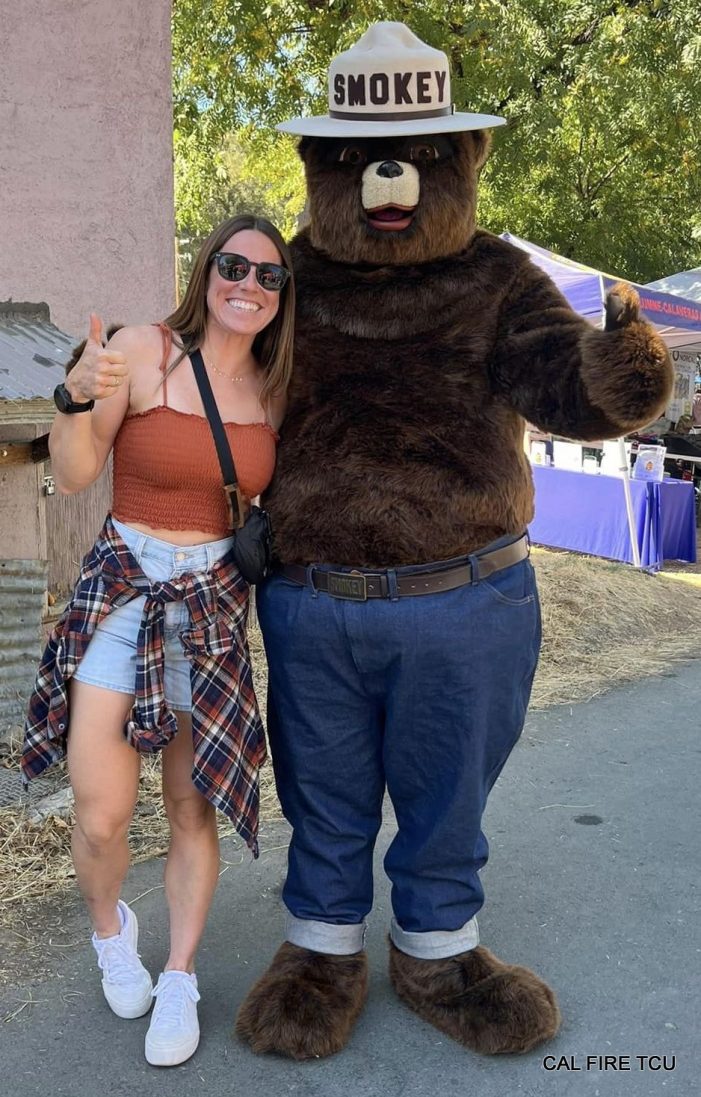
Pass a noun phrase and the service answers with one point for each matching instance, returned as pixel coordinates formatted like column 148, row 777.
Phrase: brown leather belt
column 358, row 585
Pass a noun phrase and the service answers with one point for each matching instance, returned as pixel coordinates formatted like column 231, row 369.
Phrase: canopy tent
column 677, row 319
column 687, row 283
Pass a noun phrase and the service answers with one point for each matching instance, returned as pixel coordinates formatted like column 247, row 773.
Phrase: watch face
column 62, row 400
column 61, row 397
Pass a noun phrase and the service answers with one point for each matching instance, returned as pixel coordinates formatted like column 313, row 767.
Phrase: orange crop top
column 166, row 472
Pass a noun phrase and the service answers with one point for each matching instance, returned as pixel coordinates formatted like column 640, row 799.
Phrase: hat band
column 391, row 116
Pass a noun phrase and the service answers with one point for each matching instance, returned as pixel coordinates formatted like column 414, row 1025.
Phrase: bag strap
column 226, row 459
column 167, row 342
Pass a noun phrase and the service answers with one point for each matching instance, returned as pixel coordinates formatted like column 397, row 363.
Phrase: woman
column 151, row 651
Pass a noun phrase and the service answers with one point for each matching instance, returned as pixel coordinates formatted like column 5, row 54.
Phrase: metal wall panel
column 22, row 594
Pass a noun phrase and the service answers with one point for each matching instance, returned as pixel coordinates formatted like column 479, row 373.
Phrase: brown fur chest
column 384, row 451
column 362, row 400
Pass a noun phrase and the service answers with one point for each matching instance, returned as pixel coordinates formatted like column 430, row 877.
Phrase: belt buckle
column 347, row 584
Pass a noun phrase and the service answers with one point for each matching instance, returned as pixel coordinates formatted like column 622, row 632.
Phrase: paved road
column 593, row 881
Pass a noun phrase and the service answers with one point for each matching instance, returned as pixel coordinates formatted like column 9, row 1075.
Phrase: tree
column 228, row 186
column 601, row 158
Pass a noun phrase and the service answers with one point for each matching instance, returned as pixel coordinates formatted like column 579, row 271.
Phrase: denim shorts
column 110, row 659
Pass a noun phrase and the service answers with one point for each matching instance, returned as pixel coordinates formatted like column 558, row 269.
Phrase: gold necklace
column 229, row 376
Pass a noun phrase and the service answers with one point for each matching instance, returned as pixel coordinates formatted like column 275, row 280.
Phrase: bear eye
column 424, row 153
column 352, row 154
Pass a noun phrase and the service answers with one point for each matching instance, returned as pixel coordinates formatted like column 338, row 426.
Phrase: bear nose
column 390, row 169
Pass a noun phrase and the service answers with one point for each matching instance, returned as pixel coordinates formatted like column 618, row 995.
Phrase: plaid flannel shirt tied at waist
column 228, row 737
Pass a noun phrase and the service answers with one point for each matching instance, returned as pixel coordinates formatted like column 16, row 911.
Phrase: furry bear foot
column 484, row 1004
column 306, row 1003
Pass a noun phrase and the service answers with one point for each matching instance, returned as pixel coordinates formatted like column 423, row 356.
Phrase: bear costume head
column 375, row 199
column 392, row 170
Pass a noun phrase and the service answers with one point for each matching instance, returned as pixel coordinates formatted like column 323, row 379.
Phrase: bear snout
column 390, row 169
column 390, row 183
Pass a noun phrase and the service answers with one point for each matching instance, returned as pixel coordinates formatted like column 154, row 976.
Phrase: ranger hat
column 388, row 83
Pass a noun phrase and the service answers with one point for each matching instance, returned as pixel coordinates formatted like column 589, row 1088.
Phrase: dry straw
column 605, row 624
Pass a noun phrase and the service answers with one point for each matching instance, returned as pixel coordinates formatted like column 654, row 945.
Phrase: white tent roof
column 685, row 284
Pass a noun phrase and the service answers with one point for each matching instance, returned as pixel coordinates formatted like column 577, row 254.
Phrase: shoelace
column 172, row 993
column 118, row 961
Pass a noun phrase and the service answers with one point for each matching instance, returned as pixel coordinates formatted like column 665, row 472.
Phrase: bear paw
column 306, row 1003
column 622, row 306
column 484, row 1004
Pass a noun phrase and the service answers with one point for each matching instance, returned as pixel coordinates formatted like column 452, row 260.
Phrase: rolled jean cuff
column 324, row 937
column 436, row 944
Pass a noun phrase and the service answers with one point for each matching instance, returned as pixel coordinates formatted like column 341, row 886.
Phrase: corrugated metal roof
column 33, row 355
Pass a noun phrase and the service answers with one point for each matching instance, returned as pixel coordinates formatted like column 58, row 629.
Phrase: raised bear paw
column 306, row 1003
column 484, row 1004
column 622, row 306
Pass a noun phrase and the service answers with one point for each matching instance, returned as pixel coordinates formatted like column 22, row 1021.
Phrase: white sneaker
column 174, row 1032
column 126, row 983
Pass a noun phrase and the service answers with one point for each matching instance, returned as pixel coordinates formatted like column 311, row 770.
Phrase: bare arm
column 566, row 376
column 80, row 444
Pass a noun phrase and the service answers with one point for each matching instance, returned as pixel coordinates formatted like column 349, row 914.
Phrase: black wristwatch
column 64, row 403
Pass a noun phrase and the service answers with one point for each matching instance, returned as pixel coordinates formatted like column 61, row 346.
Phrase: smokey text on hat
column 396, row 89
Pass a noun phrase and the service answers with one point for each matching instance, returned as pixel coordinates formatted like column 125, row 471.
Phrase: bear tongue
column 390, row 213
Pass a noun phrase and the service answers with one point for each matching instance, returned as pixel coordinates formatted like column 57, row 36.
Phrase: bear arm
column 569, row 378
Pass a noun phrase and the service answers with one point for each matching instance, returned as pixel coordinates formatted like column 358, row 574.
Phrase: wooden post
column 15, row 453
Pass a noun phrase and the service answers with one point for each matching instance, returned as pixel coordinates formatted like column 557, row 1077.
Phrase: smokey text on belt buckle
column 347, row 585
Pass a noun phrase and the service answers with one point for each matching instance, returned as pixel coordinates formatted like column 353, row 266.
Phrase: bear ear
column 482, row 141
column 303, row 147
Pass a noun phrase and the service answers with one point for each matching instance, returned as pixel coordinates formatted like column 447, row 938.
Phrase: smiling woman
column 151, row 651
column 247, row 253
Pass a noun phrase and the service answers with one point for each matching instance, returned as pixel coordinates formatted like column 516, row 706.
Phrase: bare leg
column 104, row 773
column 192, row 867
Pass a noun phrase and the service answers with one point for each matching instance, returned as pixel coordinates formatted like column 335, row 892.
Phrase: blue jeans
column 424, row 696
column 110, row 659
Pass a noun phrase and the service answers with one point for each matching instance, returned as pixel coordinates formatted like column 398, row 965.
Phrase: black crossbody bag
column 250, row 525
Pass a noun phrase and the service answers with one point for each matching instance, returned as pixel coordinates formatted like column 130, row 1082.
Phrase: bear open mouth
column 390, row 218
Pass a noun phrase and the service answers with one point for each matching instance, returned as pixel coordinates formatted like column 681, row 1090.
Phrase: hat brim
column 325, row 126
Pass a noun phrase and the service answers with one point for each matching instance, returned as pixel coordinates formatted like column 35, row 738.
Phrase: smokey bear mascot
column 402, row 626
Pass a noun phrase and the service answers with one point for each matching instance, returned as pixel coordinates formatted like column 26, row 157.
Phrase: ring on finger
column 116, row 382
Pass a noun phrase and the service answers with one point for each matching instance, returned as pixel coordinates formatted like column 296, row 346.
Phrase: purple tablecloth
column 587, row 513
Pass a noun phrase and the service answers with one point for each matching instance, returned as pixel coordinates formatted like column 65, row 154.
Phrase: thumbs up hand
column 99, row 372
column 622, row 307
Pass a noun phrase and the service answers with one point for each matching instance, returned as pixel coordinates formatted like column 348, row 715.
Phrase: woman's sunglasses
column 236, row 267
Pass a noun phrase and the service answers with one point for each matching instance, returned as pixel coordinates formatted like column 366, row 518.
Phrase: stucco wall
column 86, row 209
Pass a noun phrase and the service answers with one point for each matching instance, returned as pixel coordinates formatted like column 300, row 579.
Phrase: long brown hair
column 272, row 347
